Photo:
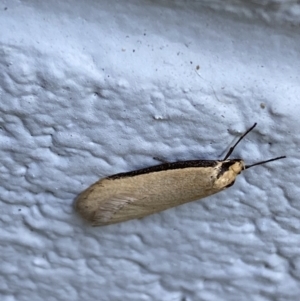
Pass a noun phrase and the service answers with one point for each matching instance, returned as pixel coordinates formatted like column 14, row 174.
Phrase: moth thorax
column 238, row 166
column 228, row 172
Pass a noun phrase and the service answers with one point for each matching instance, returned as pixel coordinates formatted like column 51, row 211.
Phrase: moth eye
column 229, row 185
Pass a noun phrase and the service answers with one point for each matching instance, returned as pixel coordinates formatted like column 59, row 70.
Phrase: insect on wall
column 138, row 193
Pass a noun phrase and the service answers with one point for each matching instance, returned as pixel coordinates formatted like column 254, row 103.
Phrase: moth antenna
column 263, row 162
column 241, row 138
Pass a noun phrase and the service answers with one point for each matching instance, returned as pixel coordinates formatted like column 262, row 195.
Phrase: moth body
column 142, row 192
column 136, row 194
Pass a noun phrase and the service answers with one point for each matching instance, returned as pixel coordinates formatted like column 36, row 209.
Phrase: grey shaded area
column 92, row 88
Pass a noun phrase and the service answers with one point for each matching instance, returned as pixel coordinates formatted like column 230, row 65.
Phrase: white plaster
column 92, row 88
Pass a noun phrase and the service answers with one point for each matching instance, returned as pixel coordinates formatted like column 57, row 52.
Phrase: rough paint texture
column 92, row 88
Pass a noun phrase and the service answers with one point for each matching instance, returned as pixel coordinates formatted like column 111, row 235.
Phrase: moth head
column 228, row 171
column 230, row 168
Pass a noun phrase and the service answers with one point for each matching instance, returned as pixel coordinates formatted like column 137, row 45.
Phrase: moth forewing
column 123, row 197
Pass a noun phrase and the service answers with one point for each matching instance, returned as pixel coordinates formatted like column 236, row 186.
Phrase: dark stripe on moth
column 166, row 166
column 229, row 185
column 225, row 166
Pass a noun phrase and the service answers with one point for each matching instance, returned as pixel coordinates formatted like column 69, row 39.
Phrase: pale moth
column 142, row 192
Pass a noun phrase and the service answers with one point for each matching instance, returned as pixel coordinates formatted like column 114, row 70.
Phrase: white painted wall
column 92, row 88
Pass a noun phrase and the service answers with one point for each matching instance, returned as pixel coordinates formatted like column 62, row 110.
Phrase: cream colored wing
column 110, row 201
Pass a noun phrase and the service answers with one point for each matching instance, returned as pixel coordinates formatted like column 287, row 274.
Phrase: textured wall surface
column 92, row 88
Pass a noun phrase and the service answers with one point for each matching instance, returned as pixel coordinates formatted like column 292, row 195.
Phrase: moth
column 138, row 193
